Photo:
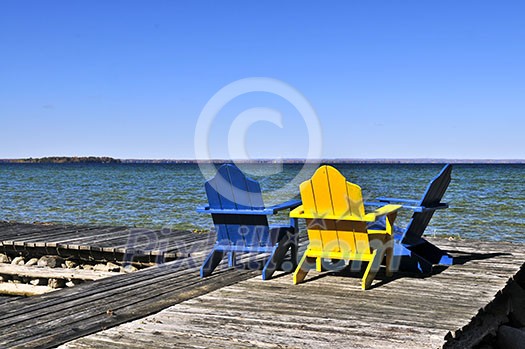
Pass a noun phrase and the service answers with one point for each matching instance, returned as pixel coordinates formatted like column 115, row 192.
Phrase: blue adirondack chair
column 241, row 222
column 411, row 251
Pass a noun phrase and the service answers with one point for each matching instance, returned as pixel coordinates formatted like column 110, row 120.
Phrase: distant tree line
column 66, row 160
column 109, row 160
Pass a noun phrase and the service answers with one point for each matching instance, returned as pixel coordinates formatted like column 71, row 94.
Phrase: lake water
column 486, row 201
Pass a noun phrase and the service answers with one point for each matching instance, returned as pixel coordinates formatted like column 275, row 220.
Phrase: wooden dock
column 170, row 306
column 328, row 311
column 100, row 242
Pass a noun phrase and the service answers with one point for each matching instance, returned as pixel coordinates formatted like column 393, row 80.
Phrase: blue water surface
column 486, row 201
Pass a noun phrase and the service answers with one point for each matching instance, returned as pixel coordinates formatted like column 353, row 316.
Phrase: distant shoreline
column 110, row 160
column 64, row 160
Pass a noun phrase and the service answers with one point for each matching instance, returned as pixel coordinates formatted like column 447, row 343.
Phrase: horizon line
column 292, row 160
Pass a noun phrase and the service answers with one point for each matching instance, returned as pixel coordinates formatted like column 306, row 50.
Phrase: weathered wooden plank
column 109, row 243
column 151, row 238
column 329, row 310
column 86, row 237
column 51, row 233
column 52, row 332
column 6, row 299
column 12, row 289
column 85, row 293
column 183, row 286
column 16, row 229
column 171, row 277
column 12, row 233
column 97, row 234
column 53, row 273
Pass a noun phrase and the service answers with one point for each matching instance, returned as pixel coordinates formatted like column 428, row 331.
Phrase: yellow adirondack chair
column 337, row 225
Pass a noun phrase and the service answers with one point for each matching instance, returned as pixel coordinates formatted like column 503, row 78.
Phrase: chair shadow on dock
column 464, row 257
column 258, row 262
column 460, row 258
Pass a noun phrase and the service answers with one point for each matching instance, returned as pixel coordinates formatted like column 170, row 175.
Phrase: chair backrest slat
column 437, row 188
column 328, row 193
column 431, row 198
column 231, row 189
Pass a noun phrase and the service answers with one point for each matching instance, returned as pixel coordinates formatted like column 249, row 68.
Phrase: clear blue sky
column 388, row 79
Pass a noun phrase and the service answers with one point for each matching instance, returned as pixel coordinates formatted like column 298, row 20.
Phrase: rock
column 70, row 284
column 520, row 277
column 18, row 261
column 129, row 269
column 32, row 261
column 38, row 282
column 70, row 264
column 4, row 258
column 74, row 282
column 510, row 338
column 87, row 267
column 485, row 346
column 113, row 267
column 50, row 261
column 100, row 267
column 517, row 298
column 56, row 283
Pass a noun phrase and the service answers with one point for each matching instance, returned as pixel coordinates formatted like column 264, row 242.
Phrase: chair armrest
column 299, row 212
column 203, row 209
column 403, row 201
column 291, row 204
column 385, row 210
column 234, row 211
column 439, row 206
column 265, row 211
column 412, row 204
column 372, row 203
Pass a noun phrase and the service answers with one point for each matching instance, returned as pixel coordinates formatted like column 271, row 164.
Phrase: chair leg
column 211, row 262
column 303, row 267
column 431, row 253
column 371, row 270
column 388, row 262
column 231, row 259
column 407, row 260
column 319, row 264
column 294, row 248
column 276, row 258
column 389, row 256
column 294, row 223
